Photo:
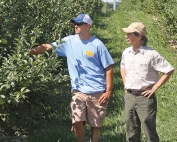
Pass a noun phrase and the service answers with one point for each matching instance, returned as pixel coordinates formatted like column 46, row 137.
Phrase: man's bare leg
column 78, row 129
column 95, row 134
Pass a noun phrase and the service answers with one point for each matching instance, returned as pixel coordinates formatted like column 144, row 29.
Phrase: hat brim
column 72, row 21
column 75, row 20
column 128, row 30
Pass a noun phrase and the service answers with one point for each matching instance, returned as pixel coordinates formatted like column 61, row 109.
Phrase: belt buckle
column 134, row 92
column 137, row 93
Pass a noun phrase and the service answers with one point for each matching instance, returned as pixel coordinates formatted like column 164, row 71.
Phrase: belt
column 135, row 92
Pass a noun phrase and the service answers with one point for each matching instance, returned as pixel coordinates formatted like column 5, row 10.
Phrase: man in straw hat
column 140, row 67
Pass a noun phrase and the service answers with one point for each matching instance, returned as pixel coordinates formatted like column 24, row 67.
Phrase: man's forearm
column 41, row 49
column 123, row 73
column 109, row 79
column 163, row 79
column 109, row 82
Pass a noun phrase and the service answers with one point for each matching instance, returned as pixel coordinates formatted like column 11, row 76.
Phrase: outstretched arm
column 40, row 49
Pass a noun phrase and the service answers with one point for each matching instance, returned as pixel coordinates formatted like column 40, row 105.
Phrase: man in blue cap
column 91, row 73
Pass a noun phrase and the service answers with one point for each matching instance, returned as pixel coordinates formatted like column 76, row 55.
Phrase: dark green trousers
column 140, row 110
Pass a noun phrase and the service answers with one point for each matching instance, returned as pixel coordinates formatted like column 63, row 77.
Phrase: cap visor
column 72, row 20
column 127, row 30
column 76, row 20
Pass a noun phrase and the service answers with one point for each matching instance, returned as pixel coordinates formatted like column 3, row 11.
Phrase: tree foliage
column 32, row 88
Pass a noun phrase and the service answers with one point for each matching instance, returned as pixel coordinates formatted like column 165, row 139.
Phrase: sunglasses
column 79, row 24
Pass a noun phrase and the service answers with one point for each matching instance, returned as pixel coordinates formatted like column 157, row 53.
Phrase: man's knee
column 78, row 126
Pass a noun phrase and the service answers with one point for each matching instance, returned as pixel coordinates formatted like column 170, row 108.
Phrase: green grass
column 110, row 32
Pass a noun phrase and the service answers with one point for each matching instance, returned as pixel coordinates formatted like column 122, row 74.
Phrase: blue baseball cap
column 82, row 18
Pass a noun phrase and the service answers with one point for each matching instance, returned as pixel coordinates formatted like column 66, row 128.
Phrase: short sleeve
column 160, row 64
column 122, row 63
column 106, row 58
column 60, row 48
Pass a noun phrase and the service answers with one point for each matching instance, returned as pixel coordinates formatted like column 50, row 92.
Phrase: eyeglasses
column 79, row 24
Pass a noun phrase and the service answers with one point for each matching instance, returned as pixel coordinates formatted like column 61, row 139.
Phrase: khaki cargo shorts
column 85, row 107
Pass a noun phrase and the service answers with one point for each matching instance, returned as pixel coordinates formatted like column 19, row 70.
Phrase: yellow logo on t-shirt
column 89, row 53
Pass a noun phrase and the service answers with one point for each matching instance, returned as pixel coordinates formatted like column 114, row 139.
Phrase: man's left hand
column 150, row 92
column 104, row 98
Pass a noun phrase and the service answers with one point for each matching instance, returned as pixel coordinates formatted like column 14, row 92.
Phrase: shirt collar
column 141, row 49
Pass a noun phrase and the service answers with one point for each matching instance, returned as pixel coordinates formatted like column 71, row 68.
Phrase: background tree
column 33, row 88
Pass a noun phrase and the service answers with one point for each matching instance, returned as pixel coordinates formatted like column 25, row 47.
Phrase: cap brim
column 76, row 20
column 72, row 21
column 128, row 30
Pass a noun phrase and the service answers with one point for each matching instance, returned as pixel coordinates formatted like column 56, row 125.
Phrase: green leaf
column 2, row 96
column 1, row 102
column 3, row 41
